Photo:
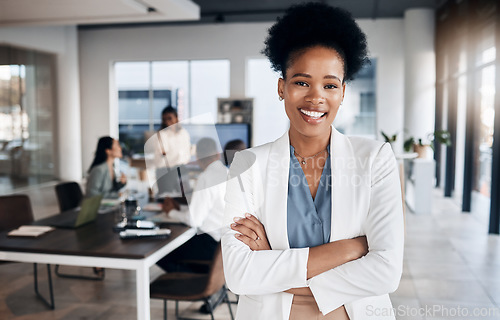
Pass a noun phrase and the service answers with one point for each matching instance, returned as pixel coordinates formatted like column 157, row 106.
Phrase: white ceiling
column 236, row 9
column 115, row 13
column 78, row 12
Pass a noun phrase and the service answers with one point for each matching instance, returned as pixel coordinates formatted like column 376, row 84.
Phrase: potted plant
column 441, row 136
column 390, row 139
column 387, row 138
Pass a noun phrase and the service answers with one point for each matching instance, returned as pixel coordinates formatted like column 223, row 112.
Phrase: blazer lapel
column 276, row 179
column 343, row 188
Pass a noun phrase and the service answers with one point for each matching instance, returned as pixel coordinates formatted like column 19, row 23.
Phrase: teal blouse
column 308, row 220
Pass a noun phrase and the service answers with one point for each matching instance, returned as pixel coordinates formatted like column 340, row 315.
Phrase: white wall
column 61, row 41
column 262, row 85
column 99, row 49
column 385, row 42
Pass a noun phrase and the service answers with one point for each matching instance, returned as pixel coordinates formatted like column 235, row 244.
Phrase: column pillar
column 68, row 109
column 420, row 72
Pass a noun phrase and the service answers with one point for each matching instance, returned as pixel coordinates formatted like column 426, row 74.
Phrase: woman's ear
column 281, row 88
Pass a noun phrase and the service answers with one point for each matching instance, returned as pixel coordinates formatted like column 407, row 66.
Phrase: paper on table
column 152, row 206
column 135, row 233
column 162, row 217
column 30, row 231
column 110, row 202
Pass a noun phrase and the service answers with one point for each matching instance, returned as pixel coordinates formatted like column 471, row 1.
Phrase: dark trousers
column 199, row 247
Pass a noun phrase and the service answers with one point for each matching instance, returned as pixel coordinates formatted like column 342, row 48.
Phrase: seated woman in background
column 101, row 179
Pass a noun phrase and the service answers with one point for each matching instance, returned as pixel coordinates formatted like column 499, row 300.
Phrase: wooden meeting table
column 97, row 245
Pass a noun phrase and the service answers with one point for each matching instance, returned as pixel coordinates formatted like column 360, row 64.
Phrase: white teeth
column 312, row 114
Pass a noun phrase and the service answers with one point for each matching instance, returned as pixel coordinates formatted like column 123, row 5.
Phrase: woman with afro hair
column 316, row 217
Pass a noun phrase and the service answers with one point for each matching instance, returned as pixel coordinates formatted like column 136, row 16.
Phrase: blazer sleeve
column 99, row 183
column 250, row 272
column 379, row 272
column 95, row 182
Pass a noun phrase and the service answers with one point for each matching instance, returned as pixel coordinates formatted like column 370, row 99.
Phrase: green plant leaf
column 387, row 138
column 408, row 144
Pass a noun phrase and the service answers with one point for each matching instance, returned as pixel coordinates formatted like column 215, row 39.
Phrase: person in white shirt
column 175, row 140
column 166, row 150
column 205, row 211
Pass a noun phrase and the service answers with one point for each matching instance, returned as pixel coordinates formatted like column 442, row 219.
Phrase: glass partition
column 358, row 114
column 146, row 87
column 27, row 108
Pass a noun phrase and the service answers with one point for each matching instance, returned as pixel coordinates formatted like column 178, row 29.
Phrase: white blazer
column 366, row 200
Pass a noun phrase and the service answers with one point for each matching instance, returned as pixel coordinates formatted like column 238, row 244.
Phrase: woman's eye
column 301, row 83
column 330, row 86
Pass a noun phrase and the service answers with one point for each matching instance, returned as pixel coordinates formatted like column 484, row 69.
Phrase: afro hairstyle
column 316, row 24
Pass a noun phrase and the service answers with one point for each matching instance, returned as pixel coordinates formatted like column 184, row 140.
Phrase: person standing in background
column 174, row 139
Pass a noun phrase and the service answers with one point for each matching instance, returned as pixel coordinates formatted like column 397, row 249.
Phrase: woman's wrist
column 358, row 248
column 304, row 291
column 333, row 254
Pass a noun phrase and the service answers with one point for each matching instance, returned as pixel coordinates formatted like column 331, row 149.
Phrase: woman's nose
column 315, row 96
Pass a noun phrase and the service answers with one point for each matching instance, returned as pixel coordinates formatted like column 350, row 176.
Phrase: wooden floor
column 113, row 298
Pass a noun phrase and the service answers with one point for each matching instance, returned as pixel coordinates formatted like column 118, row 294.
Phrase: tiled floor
column 451, row 271
column 452, row 266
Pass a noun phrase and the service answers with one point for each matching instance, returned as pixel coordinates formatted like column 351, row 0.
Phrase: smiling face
column 168, row 119
column 313, row 91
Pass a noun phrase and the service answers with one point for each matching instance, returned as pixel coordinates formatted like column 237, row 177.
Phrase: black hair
column 104, row 143
column 206, row 147
column 313, row 24
column 230, row 149
column 169, row 109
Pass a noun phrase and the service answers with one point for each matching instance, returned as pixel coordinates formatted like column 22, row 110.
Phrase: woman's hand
column 123, row 178
column 169, row 204
column 251, row 232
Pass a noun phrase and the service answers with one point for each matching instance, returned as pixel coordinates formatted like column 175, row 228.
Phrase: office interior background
column 71, row 72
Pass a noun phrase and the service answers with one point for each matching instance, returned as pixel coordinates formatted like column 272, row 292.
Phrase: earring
column 280, row 98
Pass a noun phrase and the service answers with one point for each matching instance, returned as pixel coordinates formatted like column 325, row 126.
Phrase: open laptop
column 76, row 218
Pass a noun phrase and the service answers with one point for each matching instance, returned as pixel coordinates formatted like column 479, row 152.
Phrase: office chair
column 69, row 196
column 182, row 286
column 15, row 211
